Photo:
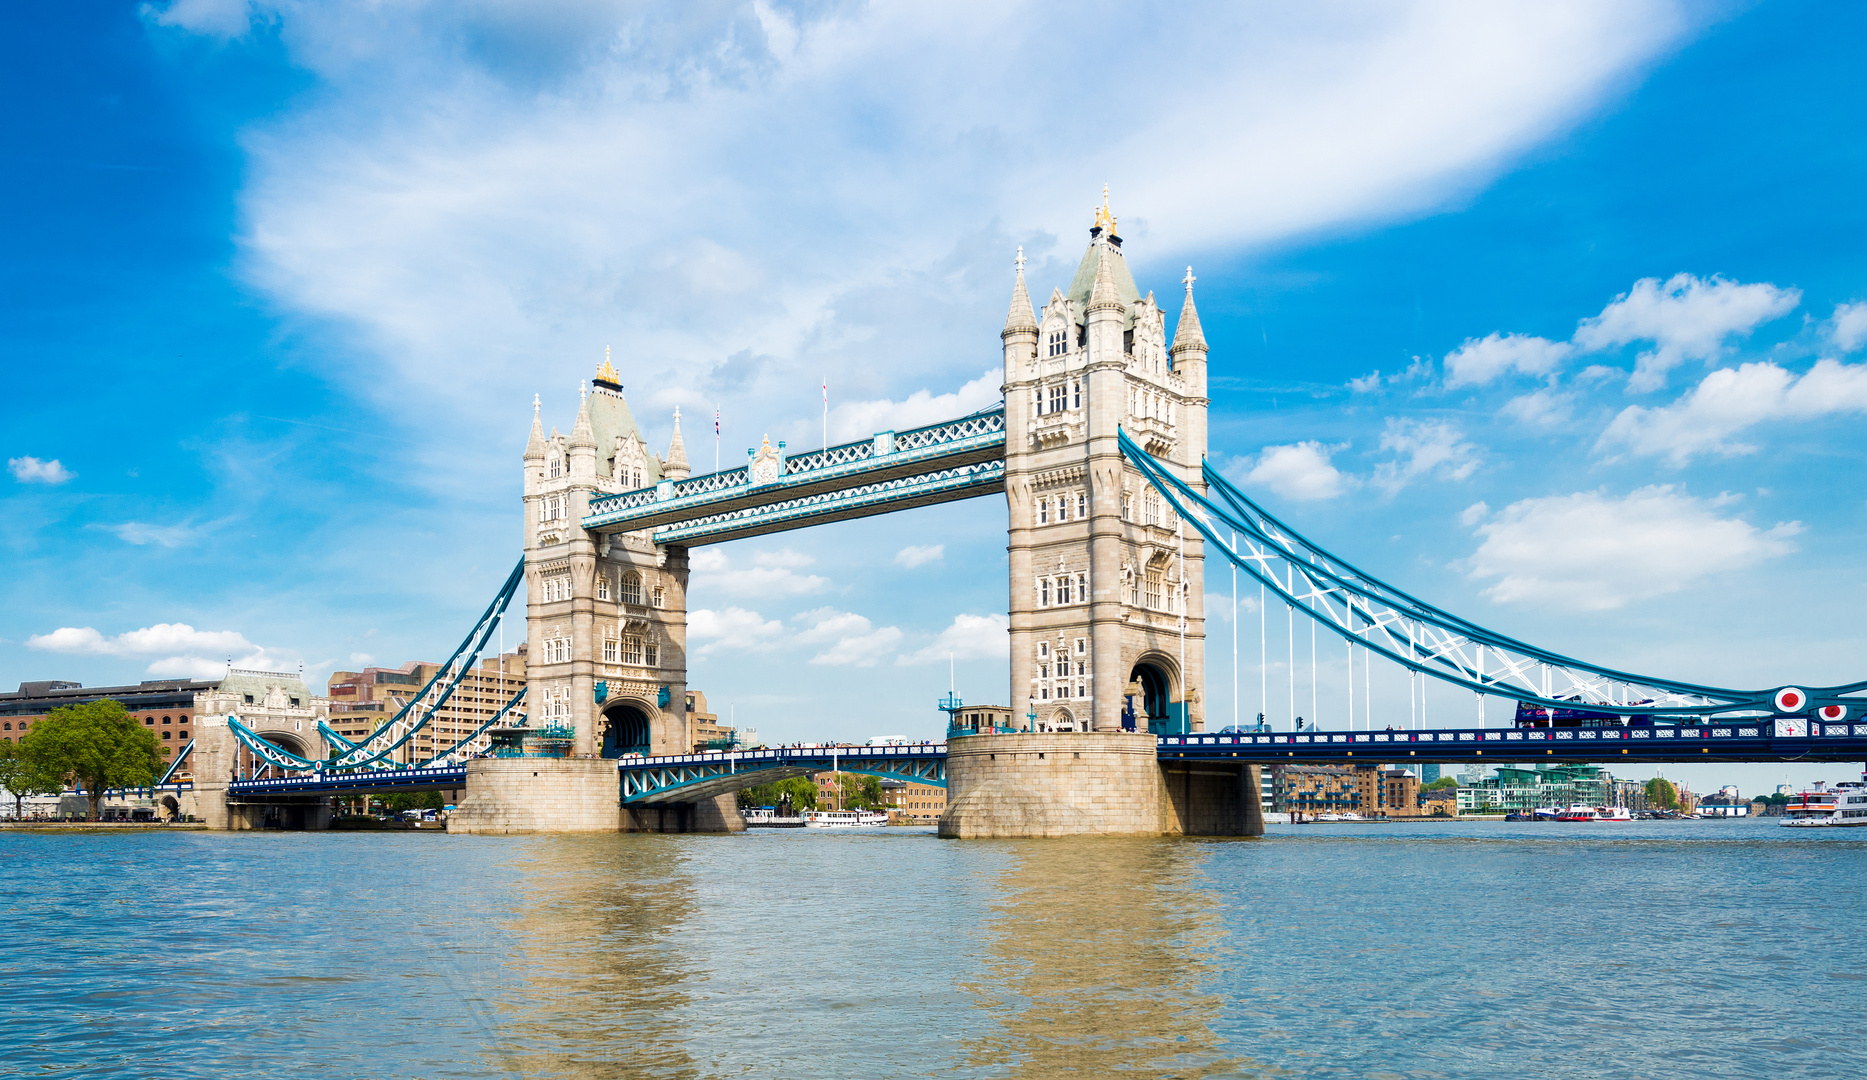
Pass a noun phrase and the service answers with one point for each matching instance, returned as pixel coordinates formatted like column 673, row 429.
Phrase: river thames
column 1451, row 950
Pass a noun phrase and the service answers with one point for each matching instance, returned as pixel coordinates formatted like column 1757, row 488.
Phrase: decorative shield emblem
column 1790, row 699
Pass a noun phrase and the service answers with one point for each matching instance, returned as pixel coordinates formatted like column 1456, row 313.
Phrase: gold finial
column 607, row 373
column 1105, row 218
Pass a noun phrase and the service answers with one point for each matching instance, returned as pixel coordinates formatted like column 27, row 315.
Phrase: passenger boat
column 1613, row 813
column 1844, row 806
column 1578, row 812
column 767, row 817
column 845, row 819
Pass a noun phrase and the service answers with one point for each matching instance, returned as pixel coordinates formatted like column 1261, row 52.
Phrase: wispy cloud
column 968, row 637
column 1300, row 471
column 179, row 650
column 1594, row 552
column 1686, row 318
column 919, row 555
column 1732, row 400
column 30, row 470
column 1426, row 448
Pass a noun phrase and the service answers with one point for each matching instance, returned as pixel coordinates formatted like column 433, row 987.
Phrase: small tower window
column 602, row 586
column 1043, row 648
column 631, row 588
column 609, row 650
column 1082, row 594
column 1059, row 398
column 1076, row 391
column 651, row 654
column 1082, row 504
column 1043, row 511
column 632, row 650
column 1059, row 342
column 555, row 467
column 1063, row 508
column 660, row 596
column 1063, row 590
column 1151, row 597
column 1044, row 593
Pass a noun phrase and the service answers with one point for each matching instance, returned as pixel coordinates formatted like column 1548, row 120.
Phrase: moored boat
column 1613, row 813
column 1578, row 812
column 1845, row 805
column 845, row 819
column 767, row 817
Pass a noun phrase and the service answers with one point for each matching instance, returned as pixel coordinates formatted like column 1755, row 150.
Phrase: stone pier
column 572, row 795
column 1090, row 784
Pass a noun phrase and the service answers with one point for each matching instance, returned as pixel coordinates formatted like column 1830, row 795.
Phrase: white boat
column 1613, row 813
column 767, row 817
column 845, row 819
column 1578, row 812
column 1845, row 805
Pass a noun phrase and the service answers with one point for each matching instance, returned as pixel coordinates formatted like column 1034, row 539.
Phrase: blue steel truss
column 1765, row 739
column 957, row 459
column 1370, row 613
column 177, row 763
column 690, row 777
column 359, row 782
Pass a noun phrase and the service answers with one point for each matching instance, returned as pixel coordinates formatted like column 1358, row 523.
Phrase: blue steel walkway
column 356, row 782
column 691, row 777
column 1793, row 739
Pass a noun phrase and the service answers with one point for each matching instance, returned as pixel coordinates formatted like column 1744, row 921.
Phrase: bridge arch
column 1153, row 686
column 626, row 728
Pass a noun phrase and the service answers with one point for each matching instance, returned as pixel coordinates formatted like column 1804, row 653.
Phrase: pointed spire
column 1020, row 317
column 1187, row 334
column 1104, row 294
column 674, row 466
column 581, row 434
column 535, row 446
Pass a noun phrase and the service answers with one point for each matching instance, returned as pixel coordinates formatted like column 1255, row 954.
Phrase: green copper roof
column 1085, row 280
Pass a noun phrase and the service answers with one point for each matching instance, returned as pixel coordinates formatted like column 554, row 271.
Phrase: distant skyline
column 1554, row 315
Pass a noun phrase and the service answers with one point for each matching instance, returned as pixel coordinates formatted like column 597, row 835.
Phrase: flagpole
column 826, row 412
column 716, row 438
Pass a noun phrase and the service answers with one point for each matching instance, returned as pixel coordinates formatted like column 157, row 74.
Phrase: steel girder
column 398, row 729
column 1766, row 739
column 690, row 777
column 360, row 782
column 956, row 459
column 1368, row 612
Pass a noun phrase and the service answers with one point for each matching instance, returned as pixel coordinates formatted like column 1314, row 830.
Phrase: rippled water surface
column 1457, row 950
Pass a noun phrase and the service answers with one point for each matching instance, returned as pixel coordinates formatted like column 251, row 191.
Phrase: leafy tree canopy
column 1662, row 793
column 861, row 792
column 802, row 792
column 98, row 744
column 1441, row 784
column 23, row 774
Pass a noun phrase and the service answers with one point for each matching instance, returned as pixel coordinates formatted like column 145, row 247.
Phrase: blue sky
column 282, row 279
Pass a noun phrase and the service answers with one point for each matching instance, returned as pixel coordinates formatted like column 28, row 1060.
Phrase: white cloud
column 850, row 639
column 191, row 653
column 1219, row 605
column 1481, row 360
column 1427, row 448
column 970, row 637
column 30, row 470
column 142, row 533
column 1686, row 319
column 732, row 630
column 916, row 555
column 1299, row 471
column 361, row 658
column 1591, row 552
column 1848, row 328
column 855, row 419
column 728, row 196
column 772, row 573
column 1728, row 401
column 1474, row 513
column 1545, row 408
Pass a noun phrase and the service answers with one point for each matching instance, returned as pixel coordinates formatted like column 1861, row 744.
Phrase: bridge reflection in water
column 1102, row 960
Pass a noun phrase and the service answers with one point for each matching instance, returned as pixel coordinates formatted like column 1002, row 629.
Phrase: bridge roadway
column 672, row 778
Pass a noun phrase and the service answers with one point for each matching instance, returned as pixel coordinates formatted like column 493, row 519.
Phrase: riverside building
column 362, row 700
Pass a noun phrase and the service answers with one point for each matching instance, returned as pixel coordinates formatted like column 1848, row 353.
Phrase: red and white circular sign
column 1832, row 712
column 1790, row 699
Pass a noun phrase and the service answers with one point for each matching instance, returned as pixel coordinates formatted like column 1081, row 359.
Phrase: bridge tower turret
column 1107, row 626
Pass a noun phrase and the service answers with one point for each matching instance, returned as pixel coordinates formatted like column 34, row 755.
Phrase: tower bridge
column 1099, row 450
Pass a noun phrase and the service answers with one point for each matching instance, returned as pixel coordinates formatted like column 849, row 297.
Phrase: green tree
column 97, row 744
column 1662, row 793
column 1441, row 784
column 802, row 792
column 412, row 800
column 24, row 774
column 861, row 792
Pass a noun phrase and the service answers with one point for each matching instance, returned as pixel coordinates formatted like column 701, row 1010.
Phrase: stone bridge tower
column 1107, row 590
column 606, row 616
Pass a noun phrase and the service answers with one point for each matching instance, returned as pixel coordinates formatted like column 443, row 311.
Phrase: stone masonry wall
column 1069, row 784
column 539, row 795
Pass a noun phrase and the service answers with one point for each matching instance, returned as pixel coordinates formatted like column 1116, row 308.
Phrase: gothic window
column 1150, row 597
column 1063, row 691
column 1063, row 590
column 1043, row 648
column 1043, row 671
column 1044, row 694
column 609, row 650
column 659, row 597
column 632, row 588
column 555, row 472
column 1038, row 395
column 1082, row 646
column 1043, row 511
column 1059, row 342
column 1076, row 392
column 1082, row 504
column 1150, row 507
column 1127, row 506
column 631, row 649
column 651, row 654
column 1044, row 594
column 1082, row 588
column 1063, row 508
column 602, row 586
column 1059, row 398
